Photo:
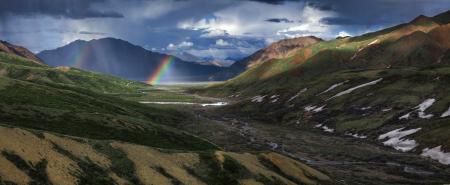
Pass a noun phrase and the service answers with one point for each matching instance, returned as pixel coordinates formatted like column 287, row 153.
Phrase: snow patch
column 274, row 98
column 331, row 88
column 326, row 129
column 437, row 154
column 446, row 113
column 298, row 94
column 348, row 91
column 315, row 109
column 258, row 98
column 214, row 104
column 235, row 95
column 420, row 109
column 273, row 146
column 406, row 116
column 167, row 103
column 185, row 103
column 396, row 140
column 310, row 108
column 424, row 106
column 356, row 135
column 386, row 109
column 319, row 109
column 373, row 42
column 366, row 108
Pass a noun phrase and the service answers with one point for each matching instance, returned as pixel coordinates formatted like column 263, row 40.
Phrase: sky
column 213, row 29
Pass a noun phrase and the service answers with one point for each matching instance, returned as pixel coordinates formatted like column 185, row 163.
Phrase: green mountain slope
column 418, row 43
column 73, row 102
column 20, row 68
column 360, row 87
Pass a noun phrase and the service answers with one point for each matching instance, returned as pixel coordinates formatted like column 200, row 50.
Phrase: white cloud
column 221, row 42
column 182, row 45
column 217, row 53
column 140, row 10
column 310, row 24
column 343, row 34
column 214, row 33
column 171, row 46
column 248, row 19
column 212, row 27
column 185, row 44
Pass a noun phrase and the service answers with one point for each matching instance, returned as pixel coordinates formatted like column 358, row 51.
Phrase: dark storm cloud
column 320, row 6
column 275, row 2
column 378, row 12
column 156, row 23
column 373, row 12
column 75, row 9
column 279, row 20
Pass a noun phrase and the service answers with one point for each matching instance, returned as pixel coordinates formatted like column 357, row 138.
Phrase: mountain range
column 185, row 56
column 388, row 87
column 121, row 58
column 108, row 56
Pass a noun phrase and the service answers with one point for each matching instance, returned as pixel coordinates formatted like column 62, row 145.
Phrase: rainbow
column 80, row 58
column 160, row 70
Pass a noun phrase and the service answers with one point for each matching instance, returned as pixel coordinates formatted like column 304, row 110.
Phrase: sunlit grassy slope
column 35, row 157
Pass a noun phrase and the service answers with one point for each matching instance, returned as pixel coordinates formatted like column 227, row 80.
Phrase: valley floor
column 346, row 160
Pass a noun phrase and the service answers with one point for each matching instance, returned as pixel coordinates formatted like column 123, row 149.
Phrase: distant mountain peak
column 124, row 59
column 422, row 19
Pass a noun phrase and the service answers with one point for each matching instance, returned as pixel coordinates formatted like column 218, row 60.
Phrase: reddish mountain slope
column 19, row 50
column 281, row 49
